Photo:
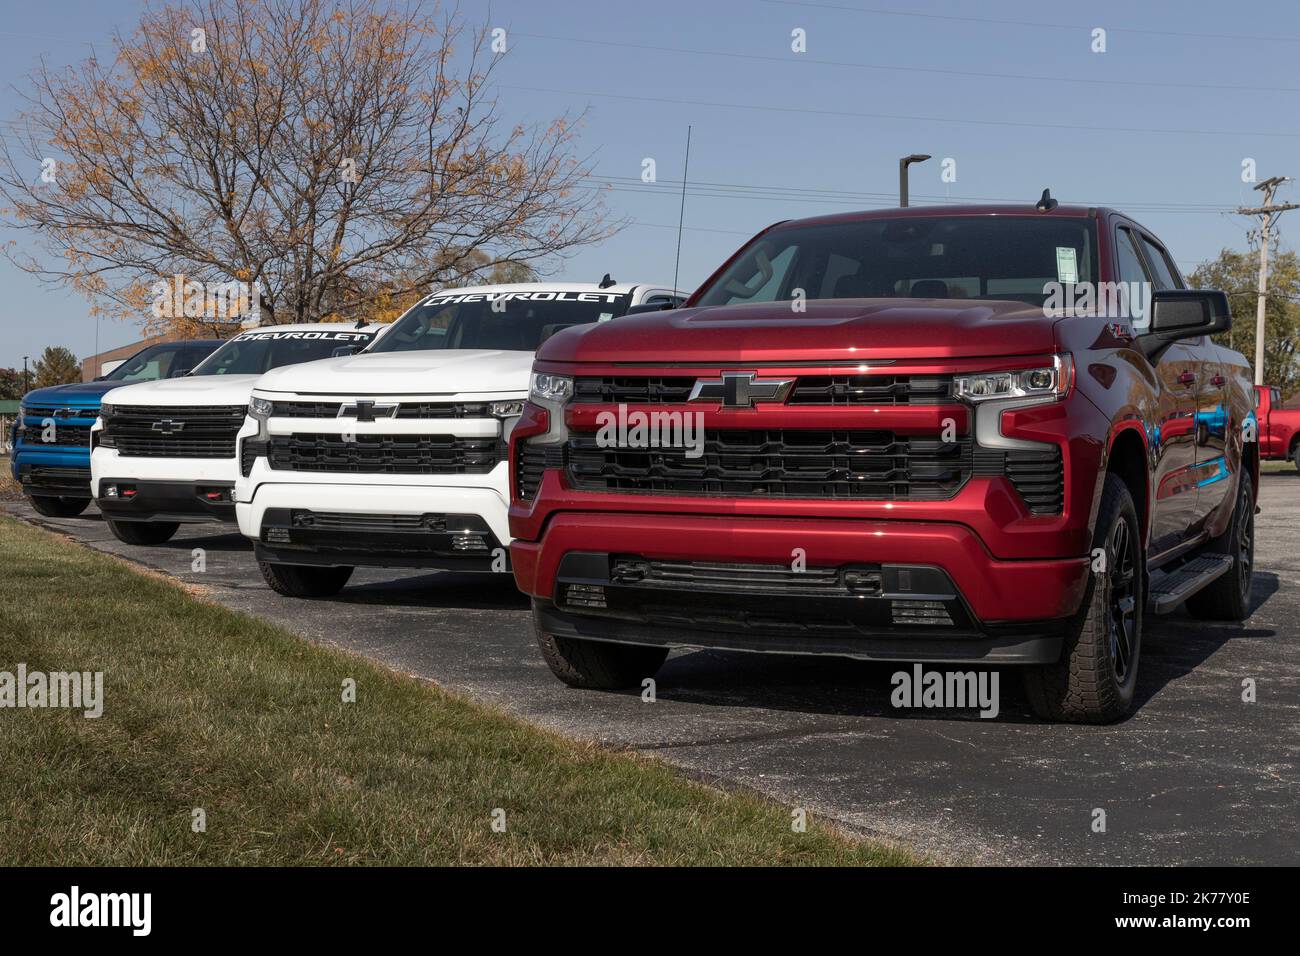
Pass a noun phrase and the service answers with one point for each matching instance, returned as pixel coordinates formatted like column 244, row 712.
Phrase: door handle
column 1218, row 380
column 1187, row 378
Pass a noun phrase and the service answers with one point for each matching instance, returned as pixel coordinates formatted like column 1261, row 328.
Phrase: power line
column 903, row 116
column 839, row 196
column 1030, row 23
column 804, row 59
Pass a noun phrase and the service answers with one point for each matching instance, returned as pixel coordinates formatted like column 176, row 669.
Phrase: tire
column 1094, row 680
column 1295, row 456
column 142, row 532
column 59, row 507
column 1228, row 598
column 303, row 580
column 597, row 665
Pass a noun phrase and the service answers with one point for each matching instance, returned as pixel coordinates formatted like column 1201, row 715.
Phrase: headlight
column 1048, row 382
column 260, row 408
column 106, row 410
column 21, row 421
column 507, row 409
column 553, row 389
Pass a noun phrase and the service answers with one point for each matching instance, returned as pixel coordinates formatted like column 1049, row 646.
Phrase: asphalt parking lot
column 1194, row 776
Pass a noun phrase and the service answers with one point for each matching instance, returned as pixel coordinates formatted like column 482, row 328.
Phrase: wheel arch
column 1126, row 457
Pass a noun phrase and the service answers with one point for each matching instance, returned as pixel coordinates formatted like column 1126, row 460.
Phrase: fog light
column 921, row 612
column 468, row 542
column 110, row 491
column 277, row 535
column 584, row 595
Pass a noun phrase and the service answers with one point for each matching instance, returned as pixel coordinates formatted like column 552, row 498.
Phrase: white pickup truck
column 163, row 453
column 397, row 457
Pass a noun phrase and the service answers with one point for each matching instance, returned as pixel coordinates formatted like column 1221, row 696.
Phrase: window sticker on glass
column 605, row 316
column 1067, row 267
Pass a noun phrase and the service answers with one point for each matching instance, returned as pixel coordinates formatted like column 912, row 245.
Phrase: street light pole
column 27, row 382
column 902, row 175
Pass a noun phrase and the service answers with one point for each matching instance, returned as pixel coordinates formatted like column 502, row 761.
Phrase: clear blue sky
column 1158, row 125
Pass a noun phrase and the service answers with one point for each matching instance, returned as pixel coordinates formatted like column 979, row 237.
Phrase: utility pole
column 27, row 385
column 1268, row 214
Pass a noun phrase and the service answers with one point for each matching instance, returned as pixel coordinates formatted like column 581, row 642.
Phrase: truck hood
column 77, row 393
column 831, row 330
column 189, row 390
column 429, row 372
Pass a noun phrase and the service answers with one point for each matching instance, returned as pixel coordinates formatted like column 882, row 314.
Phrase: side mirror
column 650, row 307
column 1183, row 313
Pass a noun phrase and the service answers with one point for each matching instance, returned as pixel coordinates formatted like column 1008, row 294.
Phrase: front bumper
column 186, row 502
column 387, row 526
column 1009, row 611
column 1041, row 645
column 61, row 472
column 55, row 480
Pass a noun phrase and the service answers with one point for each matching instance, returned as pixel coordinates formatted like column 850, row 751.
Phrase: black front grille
column 349, row 521
column 38, row 478
column 531, row 460
column 300, row 409
column 808, row 390
column 632, row 390
column 1039, row 477
column 871, row 390
column 144, row 431
column 802, row 463
column 745, row 578
column 384, row 454
column 60, row 435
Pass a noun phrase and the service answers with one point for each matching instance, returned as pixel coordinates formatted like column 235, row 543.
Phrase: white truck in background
column 163, row 453
column 397, row 457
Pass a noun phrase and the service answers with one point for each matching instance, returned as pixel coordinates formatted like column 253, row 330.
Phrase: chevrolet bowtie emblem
column 740, row 389
column 168, row 426
column 366, row 411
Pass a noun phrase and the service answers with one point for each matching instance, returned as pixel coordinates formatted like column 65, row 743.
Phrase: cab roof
column 971, row 209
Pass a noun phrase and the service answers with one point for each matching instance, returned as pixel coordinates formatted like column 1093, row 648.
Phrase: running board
column 1170, row 589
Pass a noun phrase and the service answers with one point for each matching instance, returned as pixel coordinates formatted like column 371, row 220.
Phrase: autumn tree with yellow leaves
column 334, row 157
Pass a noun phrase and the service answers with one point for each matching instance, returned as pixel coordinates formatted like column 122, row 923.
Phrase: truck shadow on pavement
column 841, row 687
column 445, row 590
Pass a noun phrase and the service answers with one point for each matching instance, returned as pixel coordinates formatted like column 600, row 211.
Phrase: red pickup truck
column 905, row 435
column 1279, row 428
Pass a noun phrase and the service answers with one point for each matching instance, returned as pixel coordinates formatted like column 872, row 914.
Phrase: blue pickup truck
column 51, row 441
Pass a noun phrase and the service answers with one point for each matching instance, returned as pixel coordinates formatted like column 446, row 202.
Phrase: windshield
column 161, row 361
column 260, row 350
column 520, row 322
column 940, row 257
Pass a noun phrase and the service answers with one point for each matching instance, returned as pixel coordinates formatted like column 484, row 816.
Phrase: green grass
column 1271, row 467
column 206, row 707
